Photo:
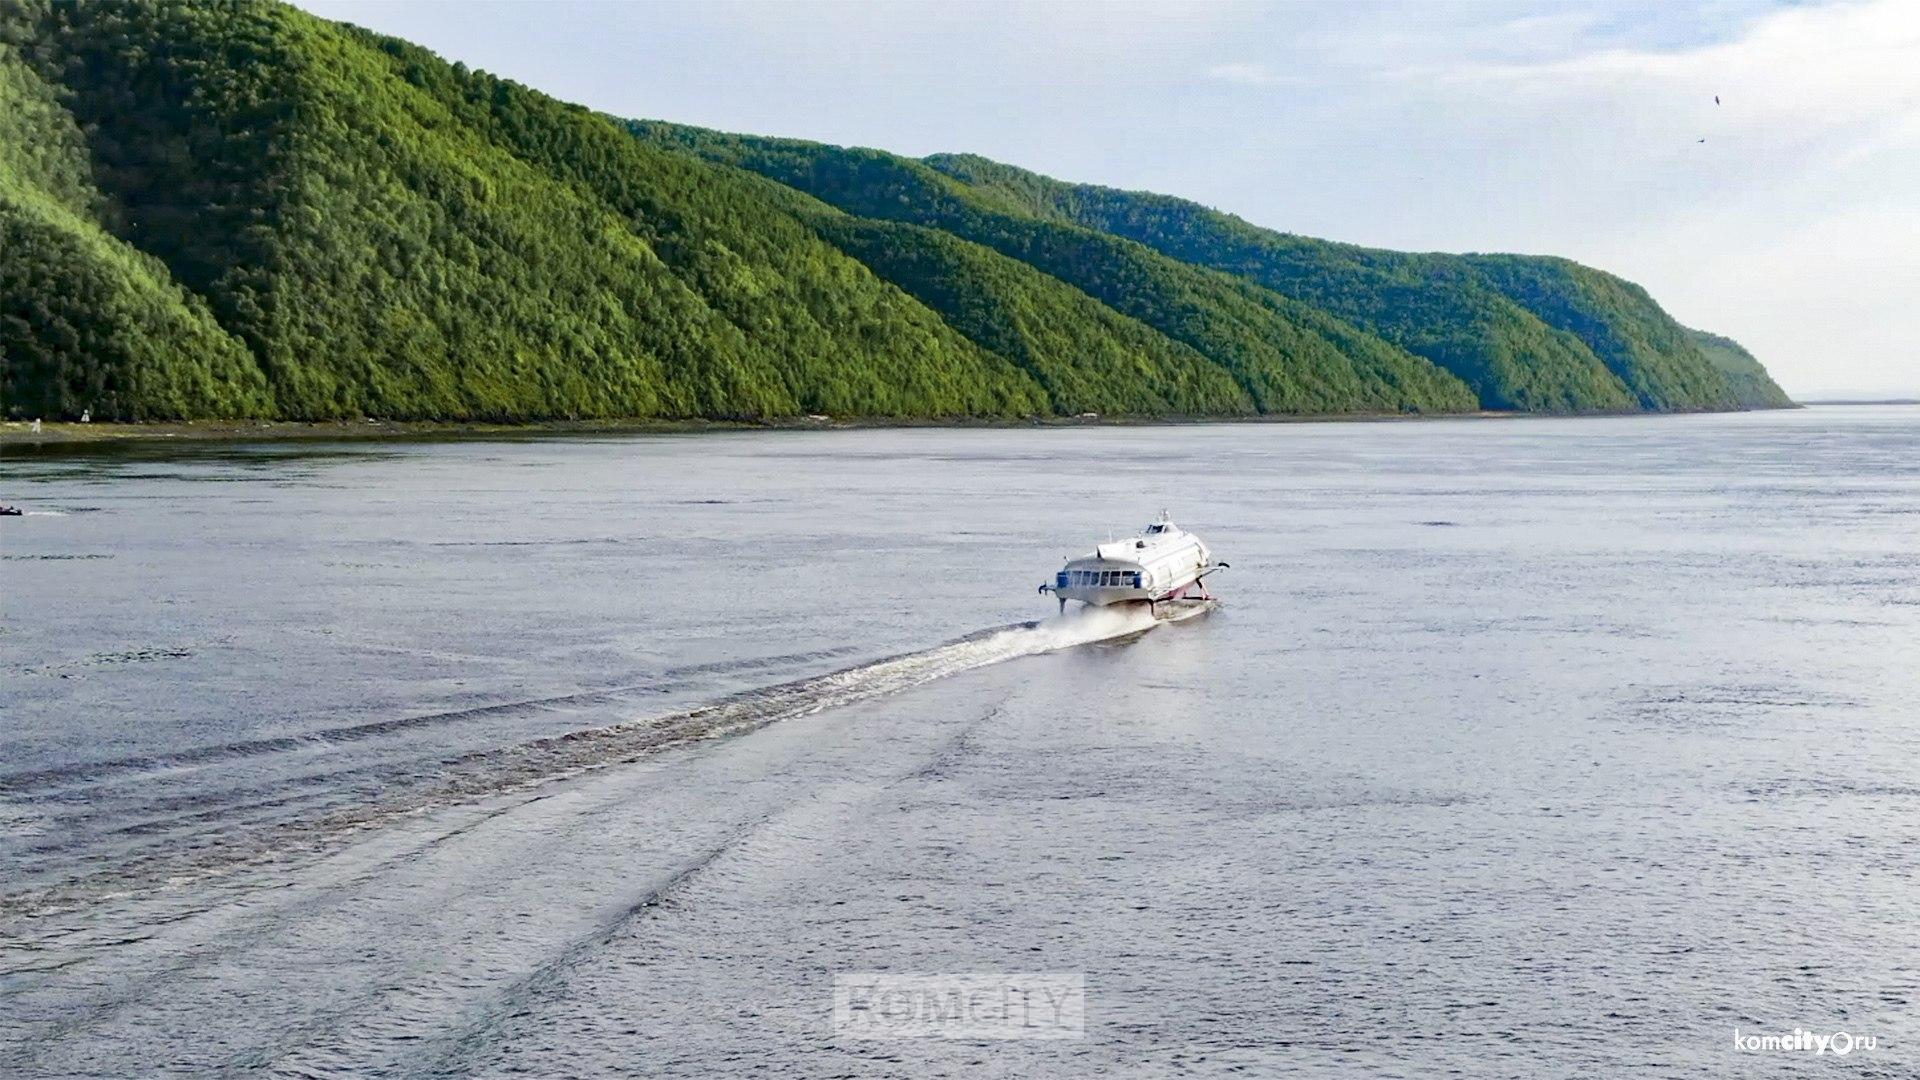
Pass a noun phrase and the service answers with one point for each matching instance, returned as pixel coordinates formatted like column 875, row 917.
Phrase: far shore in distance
column 20, row 432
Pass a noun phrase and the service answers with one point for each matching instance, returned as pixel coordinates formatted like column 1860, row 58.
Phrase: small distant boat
column 1164, row 562
column 11, row 511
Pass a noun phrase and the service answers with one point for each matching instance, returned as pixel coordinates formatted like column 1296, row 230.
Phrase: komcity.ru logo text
column 1840, row 1043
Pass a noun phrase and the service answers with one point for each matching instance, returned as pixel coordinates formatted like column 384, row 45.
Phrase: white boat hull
column 1102, row 595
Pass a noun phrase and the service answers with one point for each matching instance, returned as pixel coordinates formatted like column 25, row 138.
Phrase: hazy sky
column 1571, row 129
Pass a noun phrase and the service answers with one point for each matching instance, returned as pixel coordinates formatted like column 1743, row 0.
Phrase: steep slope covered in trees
column 1751, row 384
column 1289, row 357
column 236, row 209
column 1089, row 357
column 1525, row 332
column 388, row 235
column 86, row 320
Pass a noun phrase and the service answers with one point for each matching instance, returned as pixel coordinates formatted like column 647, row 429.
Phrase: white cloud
column 1795, row 225
column 1246, row 74
column 1815, row 67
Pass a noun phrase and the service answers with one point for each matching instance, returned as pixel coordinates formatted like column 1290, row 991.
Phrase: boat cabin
column 1098, row 579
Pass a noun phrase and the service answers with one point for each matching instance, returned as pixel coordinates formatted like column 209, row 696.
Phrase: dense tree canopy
column 236, row 209
column 1288, row 357
column 1751, row 384
column 1525, row 332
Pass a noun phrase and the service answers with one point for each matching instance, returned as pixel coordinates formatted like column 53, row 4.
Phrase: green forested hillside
column 1751, row 384
column 1087, row 356
column 390, row 235
column 87, row 320
column 1288, row 357
column 240, row 210
column 1524, row 332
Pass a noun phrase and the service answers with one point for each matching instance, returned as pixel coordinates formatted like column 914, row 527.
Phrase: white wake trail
column 500, row 770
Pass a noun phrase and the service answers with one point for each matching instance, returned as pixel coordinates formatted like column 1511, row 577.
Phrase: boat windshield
column 1099, row 579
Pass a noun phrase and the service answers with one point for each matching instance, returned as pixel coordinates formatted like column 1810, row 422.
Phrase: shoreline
column 17, row 433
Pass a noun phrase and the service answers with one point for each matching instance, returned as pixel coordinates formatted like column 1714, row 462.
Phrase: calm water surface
column 1523, row 748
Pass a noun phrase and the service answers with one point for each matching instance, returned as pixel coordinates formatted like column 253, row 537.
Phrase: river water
column 1515, row 748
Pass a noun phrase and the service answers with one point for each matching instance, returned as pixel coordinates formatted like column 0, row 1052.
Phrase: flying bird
column 1716, row 99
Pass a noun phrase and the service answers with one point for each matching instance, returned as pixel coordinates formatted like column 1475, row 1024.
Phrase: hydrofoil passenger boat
column 1164, row 562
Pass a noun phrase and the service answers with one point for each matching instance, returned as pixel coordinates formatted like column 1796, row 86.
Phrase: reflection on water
column 1547, row 747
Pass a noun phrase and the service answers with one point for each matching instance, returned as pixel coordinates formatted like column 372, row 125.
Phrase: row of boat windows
column 1094, row 579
